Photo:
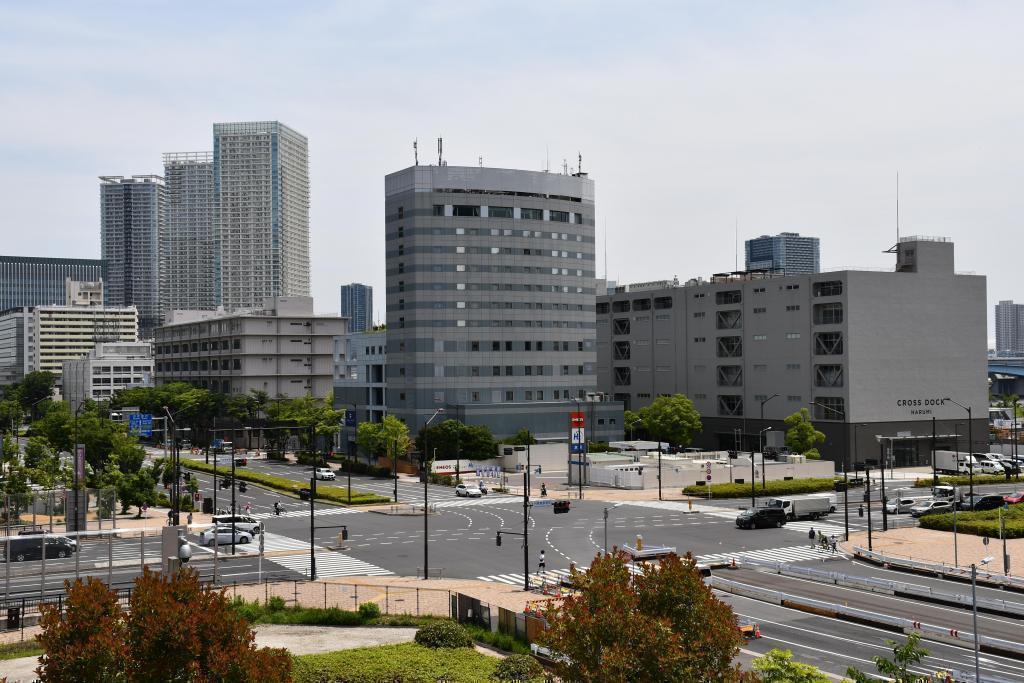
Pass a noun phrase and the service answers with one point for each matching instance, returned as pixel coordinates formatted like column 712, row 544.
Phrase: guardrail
column 900, row 588
column 929, row 631
column 951, row 572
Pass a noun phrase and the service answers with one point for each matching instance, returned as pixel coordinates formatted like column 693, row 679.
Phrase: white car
column 324, row 473
column 468, row 490
column 988, row 467
column 901, row 505
column 223, row 536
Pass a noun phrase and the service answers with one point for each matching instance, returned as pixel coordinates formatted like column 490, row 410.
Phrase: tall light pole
column 606, row 526
column 1016, row 461
column 846, row 480
column 974, row 608
column 765, row 401
column 426, row 481
column 760, row 441
column 970, row 446
column 77, row 483
column 176, row 485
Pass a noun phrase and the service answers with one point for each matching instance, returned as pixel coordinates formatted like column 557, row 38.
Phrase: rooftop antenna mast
column 606, row 250
column 736, row 259
column 897, row 207
column 440, row 147
column 579, row 163
column 415, row 152
column 547, row 159
column 565, row 167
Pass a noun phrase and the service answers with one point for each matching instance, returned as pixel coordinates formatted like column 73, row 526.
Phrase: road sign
column 197, row 497
column 578, row 462
column 708, row 477
column 140, row 424
column 350, row 418
column 707, row 467
column 543, row 502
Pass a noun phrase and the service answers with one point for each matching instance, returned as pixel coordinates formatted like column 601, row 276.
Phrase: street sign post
column 576, row 433
column 140, row 424
column 350, row 418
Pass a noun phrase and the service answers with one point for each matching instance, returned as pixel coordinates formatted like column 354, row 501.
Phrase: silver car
column 222, row 534
column 931, row 507
column 901, row 505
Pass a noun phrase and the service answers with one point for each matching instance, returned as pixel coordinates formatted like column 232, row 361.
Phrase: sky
column 696, row 120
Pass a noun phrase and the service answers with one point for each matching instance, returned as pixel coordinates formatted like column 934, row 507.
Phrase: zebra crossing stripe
column 329, row 563
column 496, row 500
column 796, row 553
column 304, row 512
column 827, row 529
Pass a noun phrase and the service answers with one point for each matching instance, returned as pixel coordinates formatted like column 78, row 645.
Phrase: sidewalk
column 937, row 546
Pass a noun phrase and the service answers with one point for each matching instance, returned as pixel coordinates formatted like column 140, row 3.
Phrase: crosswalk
column 330, row 563
column 795, row 553
column 802, row 526
column 303, row 511
column 487, row 500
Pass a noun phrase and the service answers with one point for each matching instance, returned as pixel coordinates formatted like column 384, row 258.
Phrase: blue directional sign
column 350, row 417
column 140, row 424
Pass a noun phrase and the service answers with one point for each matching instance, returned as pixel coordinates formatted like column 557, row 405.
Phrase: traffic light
column 498, row 539
column 561, row 506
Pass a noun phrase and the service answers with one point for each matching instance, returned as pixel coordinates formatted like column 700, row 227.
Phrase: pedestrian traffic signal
column 561, row 506
column 498, row 539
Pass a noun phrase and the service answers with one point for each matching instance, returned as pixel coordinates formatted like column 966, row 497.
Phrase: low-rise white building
column 109, row 367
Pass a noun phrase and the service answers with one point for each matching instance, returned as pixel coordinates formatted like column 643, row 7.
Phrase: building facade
column 261, row 213
column 868, row 353
column 132, row 224
column 360, row 363
column 108, row 368
column 787, row 253
column 79, row 293
column 357, row 306
column 282, row 349
column 1009, row 329
column 36, row 281
column 490, row 297
column 191, row 280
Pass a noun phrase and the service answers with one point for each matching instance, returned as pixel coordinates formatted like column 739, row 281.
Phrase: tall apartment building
column 869, row 353
column 191, row 280
column 360, row 360
column 281, row 348
column 108, row 368
column 786, row 253
column 1009, row 329
column 490, row 295
column 261, row 213
column 37, row 281
column 133, row 219
column 357, row 306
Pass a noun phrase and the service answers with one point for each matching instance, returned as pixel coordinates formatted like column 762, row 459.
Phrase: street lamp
column 846, row 481
column 426, row 481
column 974, row 607
column 176, row 485
column 760, row 441
column 77, row 455
column 606, row 526
column 765, row 401
column 970, row 446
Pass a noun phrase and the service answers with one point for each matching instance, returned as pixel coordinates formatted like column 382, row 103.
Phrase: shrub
column 518, row 668
column 497, row 639
column 443, row 633
column 773, row 488
column 275, row 604
column 405, row 663
column 962, row 480
column 985, row 523
column 162, row 500
column 369, row 610
column 442, row 479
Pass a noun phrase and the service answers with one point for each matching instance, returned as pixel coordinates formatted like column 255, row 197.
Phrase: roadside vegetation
column 773, row 488
column 984, row 523
column 964, row 480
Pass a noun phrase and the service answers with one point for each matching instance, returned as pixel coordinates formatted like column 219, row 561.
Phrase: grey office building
column 869, row 353
column 261, row 212
column 357, row 305
column 133, row 219
column 786, row 253
column 490, row 295
column 360, row 360
column 190, row 283
column 1009, row 329
column 39, row 281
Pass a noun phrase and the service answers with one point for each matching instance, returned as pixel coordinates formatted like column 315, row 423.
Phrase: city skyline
column 784, row 142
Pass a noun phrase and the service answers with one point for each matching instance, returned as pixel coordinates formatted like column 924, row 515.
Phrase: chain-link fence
column 48, row 509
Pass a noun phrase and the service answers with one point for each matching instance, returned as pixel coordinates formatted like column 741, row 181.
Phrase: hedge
column 407, row 662
column 964, row 480
column 787, row 487
column 335, row 494
column 984, row 523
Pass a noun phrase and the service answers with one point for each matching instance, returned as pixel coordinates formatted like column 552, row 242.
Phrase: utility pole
column 526, row 521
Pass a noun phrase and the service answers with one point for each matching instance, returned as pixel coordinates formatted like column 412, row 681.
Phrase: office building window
column 438, row 209
column 828, row 375
column 732, row 296
column 828, row 288
column 730, row 347
column 792, row 335
column 729, row 320
column 558, row 216
column 760, row 310
column 532, row 215
column 829, row 408
column 499, row 211
column 828, row 343
column 465, row 210
column 828, row 314
column 730, row 406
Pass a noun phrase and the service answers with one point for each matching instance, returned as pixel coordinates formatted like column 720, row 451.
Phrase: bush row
column 773, row 488
column 324, row 492
column 365, row 468
column 408, row 663
column 985, row 523
column 962, row 480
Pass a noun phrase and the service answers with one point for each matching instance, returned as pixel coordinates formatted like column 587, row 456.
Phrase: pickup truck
column 807, row 507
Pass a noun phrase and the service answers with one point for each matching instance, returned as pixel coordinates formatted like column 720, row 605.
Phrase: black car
column 30, row 547
column 982, row 502
column 304, row 493
column 756, row 518
column 1011, row 466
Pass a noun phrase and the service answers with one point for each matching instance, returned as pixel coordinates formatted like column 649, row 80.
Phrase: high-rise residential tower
column 261, row 213
column 190, row 282
column 490, row 297
column 133, row 219
column 35, row 281
column 357, row 305
column 786, row 253
column 1009, row 329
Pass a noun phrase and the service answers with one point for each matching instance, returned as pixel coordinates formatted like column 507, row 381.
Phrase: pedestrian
column 170, row 517
column 145, row 510
column 248, row 508
column 190, row 518
column 811, row 536
column 832, row 542
column 541, row 563
column 543, row 490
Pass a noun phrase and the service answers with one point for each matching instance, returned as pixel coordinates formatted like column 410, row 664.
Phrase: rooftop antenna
column 480, row 160
column 736, row 260
column 547, row 159
column 440, row 146
column 579, row 165
column 415, row 152
column 565, row 167
column 897, row 207
column 606, row 249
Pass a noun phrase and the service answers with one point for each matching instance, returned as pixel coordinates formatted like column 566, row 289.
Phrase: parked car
column 324, row 473
column 1014, row 498
column 982, row 501
column 241, row 461
column 248, row 524
column 755, row 518
column 931, row 507
column 222, row 534
column 1011, row 465
column 468, row 490
column 898, row 506
column 29, row 547
column 988, row 467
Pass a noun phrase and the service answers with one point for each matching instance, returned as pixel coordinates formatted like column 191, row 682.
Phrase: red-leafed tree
column 174, row 630
column 661, row 625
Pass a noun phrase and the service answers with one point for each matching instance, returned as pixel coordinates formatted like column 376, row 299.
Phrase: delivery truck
column 954, row 462
column 802, row 507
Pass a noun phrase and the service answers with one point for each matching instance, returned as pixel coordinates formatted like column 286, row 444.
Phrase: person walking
column 811, row 536
column 832, row 541
column 541, row 563
column 248, row 508
column 189, row 518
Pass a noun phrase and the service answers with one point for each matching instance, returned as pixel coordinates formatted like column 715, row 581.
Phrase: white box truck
column 954, row 462
column 806, row 507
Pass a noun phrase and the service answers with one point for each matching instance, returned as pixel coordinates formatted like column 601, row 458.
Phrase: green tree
column 11, row 415
column 801, row 436
column 43, row 463
column 778, row 666
column 451, row 437
column 9, row 450
column 388, row 436
column 34, row 388
column 671, row 418
column 634, row 424
column 524, row 437
column 663, row 625
column 137, row 489
column 898, row 668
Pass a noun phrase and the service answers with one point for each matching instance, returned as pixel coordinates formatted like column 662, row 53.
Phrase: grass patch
column 501, row 641
column 277, row 613
column 773, row 488
column 335, row 494
column 408, row 663
column 985, row 523
column 24, row 648
column 965, row 480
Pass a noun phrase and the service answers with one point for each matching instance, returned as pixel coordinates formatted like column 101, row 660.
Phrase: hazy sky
column 689, row 115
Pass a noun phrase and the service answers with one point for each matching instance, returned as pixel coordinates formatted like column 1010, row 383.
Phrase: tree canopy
column 451, row 438
column 801, row 436
column 524, row 437
column 671, row 418
column 386, row 437
column 778, row 666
